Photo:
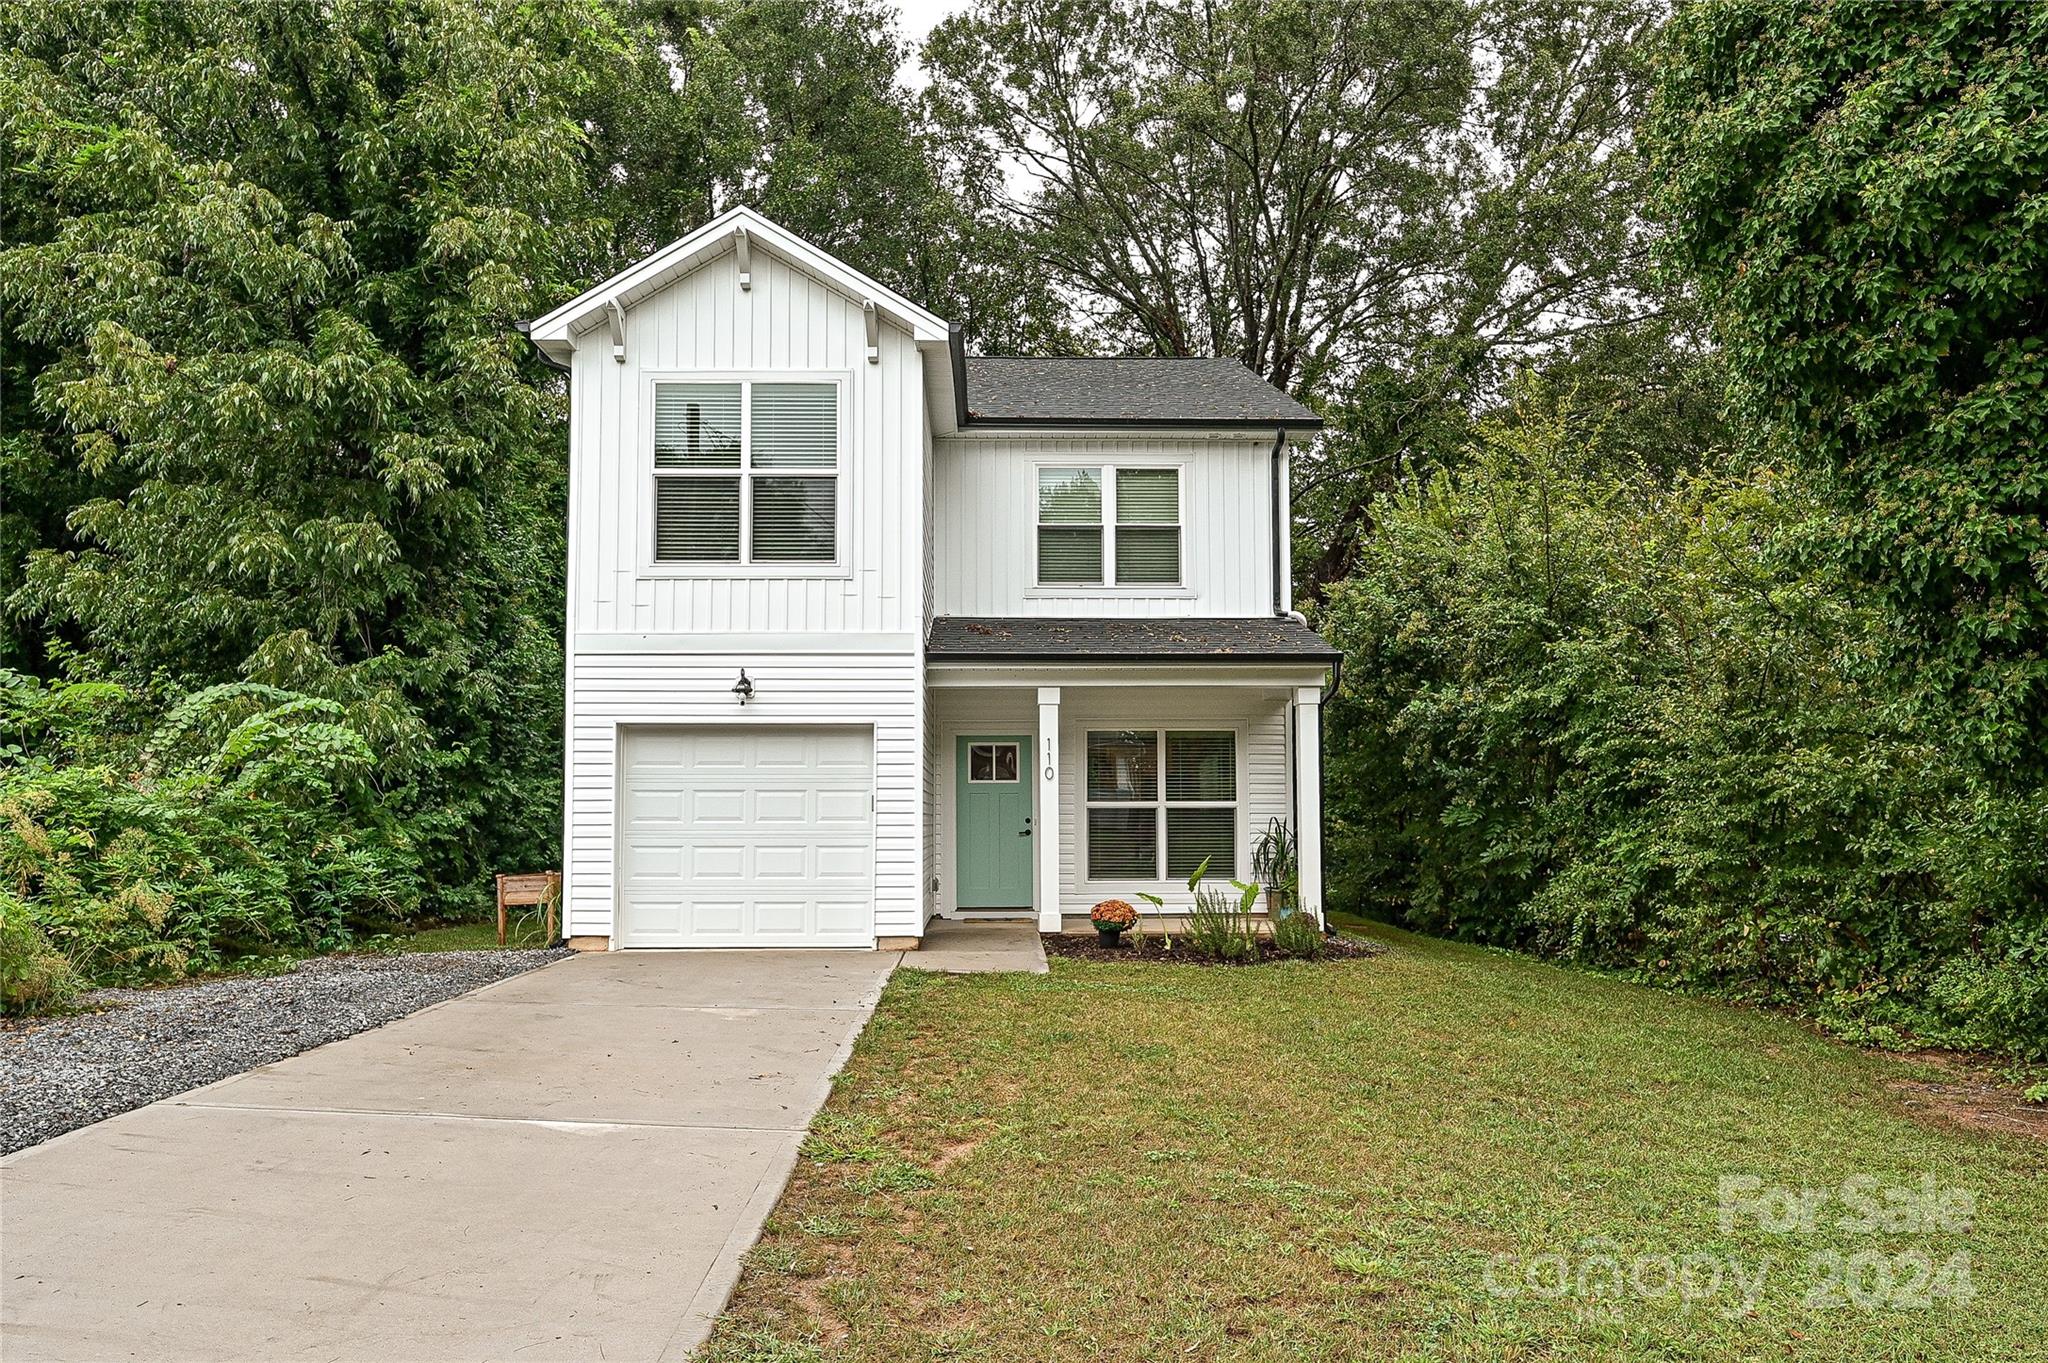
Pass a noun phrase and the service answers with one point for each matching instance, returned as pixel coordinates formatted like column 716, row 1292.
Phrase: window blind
column 1069, row 526
column 1130, row 807
column 697, row 425
column 1148, row 526
column 697, row 519
column 1123, row 842
column 1201, row 765
column 783, row 466
column 1123, row 765
column 795, row 520
column 1194, row 836
column 796, row 425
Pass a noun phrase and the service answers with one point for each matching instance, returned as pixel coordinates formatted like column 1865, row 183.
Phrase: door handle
column 1025, row 832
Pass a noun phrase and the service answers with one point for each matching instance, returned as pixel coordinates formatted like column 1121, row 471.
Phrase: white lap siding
column 611, row 690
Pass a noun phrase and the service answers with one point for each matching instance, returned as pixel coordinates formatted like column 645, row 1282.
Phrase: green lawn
column 1325, row 1161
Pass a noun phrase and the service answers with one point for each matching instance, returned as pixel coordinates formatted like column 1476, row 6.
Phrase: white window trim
column 1106, row 471
column 650, row 566
column 1159, row 805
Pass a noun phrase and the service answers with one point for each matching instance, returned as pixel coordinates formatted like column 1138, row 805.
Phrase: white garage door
column 746, row 838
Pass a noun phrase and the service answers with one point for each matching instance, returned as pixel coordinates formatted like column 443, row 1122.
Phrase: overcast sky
column 919, row 18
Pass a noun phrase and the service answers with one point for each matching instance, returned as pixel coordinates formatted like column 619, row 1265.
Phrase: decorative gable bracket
column 742, row 249
column 874, row 321
column 616, row 315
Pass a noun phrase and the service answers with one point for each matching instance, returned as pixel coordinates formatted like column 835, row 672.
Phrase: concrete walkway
column 568, row 1165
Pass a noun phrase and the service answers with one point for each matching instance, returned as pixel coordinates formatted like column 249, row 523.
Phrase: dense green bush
column 247, row 820
column 1595, row 714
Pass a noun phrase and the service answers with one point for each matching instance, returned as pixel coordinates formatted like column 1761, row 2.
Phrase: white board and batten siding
column 704, row 326
column 830, row 649
column 985, row 523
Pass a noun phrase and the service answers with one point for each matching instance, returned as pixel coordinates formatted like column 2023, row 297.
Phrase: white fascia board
column 585, row 311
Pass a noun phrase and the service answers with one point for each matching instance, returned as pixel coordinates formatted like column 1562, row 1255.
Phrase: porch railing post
column 1308, row 797
column 1046, row 828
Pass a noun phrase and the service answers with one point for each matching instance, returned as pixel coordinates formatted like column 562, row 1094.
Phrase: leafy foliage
column 1858, row 187
column 248, row 820
column 268, row 257
column 1385, row 209
column 1594, row 714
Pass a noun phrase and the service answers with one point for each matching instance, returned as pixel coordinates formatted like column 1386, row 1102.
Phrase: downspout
column 568, row 670
column 956, row 348
column 1280, row 567
column 1279, row 529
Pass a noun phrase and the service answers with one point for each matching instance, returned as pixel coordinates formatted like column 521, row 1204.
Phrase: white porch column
column 1046, row 831
column 1308, row 796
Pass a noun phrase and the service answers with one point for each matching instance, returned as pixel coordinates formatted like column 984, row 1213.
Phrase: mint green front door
column 992, row 799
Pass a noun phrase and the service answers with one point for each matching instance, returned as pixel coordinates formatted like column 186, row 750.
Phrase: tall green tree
column 1859, row 187
column 264, row 260
column 1385, row 209
column 796, row 108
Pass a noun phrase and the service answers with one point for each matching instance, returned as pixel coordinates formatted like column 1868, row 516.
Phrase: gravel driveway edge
column 141, row 1045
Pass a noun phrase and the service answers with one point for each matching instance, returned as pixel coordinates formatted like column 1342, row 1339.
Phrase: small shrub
column 1220, row 925
column 34, row 976
column 1296, row 933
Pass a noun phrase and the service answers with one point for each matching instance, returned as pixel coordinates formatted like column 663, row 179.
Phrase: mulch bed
column 1152, row 947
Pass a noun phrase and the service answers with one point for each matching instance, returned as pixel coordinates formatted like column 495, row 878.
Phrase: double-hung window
column 746, row 472
column 1108, row 527
column 1146, row 824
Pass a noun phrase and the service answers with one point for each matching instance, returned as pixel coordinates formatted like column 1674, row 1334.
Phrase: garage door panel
column 781, row 806
column 843, row 862
column 844, row 807
column 703, row 751
column 655, row 867
column 844, row 915
column 726, row 806
column 847, row 750
column 783, row 863
column 714, row 861
column 753, row 837
column 784, row 918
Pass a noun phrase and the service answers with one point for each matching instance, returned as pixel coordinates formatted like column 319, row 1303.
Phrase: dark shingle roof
column 1266, row 638
column 1126, row 390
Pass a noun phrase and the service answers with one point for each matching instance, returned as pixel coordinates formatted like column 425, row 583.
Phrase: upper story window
column 1101, row 526
column 746, row 472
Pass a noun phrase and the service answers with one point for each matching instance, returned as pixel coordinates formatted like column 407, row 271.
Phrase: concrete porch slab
column 979, row 947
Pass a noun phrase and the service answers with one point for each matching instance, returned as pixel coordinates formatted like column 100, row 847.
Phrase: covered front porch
column 1053, row 785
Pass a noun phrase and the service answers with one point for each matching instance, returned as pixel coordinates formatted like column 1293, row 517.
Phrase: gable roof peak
column 738, row 228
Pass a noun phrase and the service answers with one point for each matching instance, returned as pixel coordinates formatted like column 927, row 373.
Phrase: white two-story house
column 864, row 630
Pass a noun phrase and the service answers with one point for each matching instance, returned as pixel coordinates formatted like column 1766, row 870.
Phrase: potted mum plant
column 1112, row 917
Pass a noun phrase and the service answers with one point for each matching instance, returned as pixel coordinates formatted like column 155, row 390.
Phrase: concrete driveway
column 569, row 1164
